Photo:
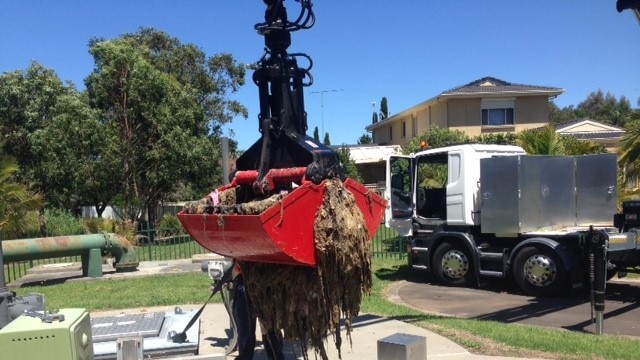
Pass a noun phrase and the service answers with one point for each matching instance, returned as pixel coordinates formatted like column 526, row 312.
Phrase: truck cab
column 438, row 186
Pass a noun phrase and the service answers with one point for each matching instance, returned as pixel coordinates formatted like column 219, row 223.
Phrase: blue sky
column 406, row 50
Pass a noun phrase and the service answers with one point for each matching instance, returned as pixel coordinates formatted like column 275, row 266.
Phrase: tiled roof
column 605, row 127
column 565, row 124
column 597, row 135
column 492, row 85
column 606, row 132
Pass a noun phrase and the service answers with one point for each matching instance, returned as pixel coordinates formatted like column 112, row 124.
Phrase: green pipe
column 50, row 247
column 124, row 252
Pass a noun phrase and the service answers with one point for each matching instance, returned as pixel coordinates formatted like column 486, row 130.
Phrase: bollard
column 402, row 347
column 130, row 348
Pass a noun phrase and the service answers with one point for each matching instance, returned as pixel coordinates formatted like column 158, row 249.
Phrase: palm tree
column 541, row 141
column 630, row 149
column 628, row 159
column 15, row 199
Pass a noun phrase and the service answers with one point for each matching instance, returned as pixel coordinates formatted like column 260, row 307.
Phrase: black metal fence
column 173, row 244
column 388, row 244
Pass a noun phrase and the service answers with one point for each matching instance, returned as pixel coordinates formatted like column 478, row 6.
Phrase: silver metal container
column 535, row 193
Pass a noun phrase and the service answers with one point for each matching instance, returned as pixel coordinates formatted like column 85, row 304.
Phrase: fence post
column 145, row 227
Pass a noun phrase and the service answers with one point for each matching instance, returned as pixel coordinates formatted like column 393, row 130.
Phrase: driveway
column 500, row 300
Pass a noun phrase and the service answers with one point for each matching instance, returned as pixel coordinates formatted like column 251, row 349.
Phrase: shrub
column 61, row 222
column 126, row 228
column 58, row 223
column 108, row 225
column 169, row 225
column 93, row 225
column 29, row 228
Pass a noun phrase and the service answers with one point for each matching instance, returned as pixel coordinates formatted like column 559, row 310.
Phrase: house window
column 404, row 130
column 414, row 126
column 390, row 133
column 497, row 112
column 497, row 116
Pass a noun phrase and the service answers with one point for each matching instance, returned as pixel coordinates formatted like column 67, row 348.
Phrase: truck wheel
column 452, row 265
column 540, row 272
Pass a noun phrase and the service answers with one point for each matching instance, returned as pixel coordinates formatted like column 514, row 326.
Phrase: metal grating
column 110, row 328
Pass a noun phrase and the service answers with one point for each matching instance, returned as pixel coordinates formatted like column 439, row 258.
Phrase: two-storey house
column 483, row 106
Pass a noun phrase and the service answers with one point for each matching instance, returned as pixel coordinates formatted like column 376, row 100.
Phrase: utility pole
column 322, row 92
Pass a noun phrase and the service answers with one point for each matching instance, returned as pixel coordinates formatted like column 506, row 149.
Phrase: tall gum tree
column 165, row 103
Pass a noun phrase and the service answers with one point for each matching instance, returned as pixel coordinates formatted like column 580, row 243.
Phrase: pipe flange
column 126, row 267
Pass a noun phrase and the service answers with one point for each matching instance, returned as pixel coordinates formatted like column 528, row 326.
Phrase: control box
column 65, row 336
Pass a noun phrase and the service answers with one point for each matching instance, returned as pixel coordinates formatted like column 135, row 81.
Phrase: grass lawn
column 495, row 338
column 487, row 337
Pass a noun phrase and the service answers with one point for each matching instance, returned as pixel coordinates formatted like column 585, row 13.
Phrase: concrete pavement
column 214, row 321
column 367, row 330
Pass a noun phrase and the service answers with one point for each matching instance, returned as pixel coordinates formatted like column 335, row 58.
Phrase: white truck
column 476, row 210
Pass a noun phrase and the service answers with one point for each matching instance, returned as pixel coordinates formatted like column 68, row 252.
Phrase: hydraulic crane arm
column 261, row 215
column 633, row 5
column 282, row 121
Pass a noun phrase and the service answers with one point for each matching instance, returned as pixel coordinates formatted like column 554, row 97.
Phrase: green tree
column 605, row 108
column 573, row 146
column 384, row 108
column 316, row 134
column 27, row 101
column 597, row 106
column 497, row 138
column 47, row 126
column 350, row 165
column 209, row 79
column 436, row 137
column 165, row 103
column 557, row 115
column 326, row 140
column 77, row 166
column 365, row 139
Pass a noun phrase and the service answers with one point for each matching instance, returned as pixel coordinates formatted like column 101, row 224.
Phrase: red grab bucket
column 284, row 232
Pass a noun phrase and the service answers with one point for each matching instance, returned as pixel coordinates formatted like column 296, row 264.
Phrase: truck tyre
column 452, row 265
column 539, row 271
